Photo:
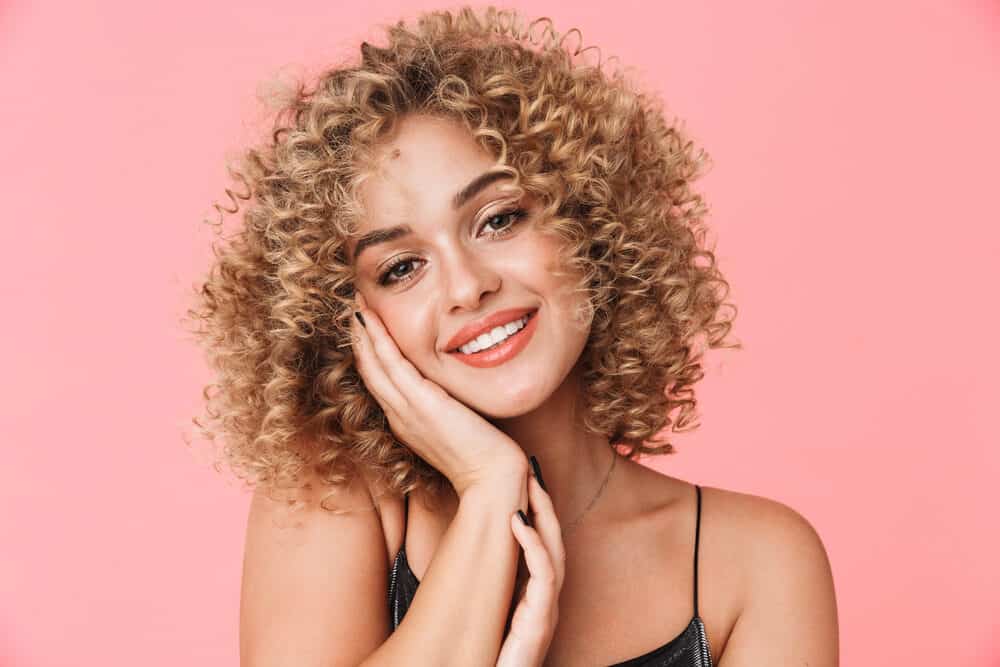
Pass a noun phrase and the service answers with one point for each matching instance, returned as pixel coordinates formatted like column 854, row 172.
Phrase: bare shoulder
column 301, row 560
column 787, row 581
column 754, row 529
column 313, row 496
column 761, row 526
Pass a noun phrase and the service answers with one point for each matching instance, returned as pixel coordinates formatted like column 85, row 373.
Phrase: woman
column 472, row 270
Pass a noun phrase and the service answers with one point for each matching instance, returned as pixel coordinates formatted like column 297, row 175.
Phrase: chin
column 508, row 406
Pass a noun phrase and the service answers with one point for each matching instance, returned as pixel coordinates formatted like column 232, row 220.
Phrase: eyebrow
column 460, row 199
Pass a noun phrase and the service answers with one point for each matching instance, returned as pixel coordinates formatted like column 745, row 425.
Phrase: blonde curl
column 615, row 178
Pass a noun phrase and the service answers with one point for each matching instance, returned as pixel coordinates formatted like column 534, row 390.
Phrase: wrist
column 501, row 478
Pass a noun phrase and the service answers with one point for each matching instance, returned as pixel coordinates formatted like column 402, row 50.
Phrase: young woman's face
column 465, row 259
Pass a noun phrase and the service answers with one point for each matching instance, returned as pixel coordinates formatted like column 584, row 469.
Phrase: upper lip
column 474, row 329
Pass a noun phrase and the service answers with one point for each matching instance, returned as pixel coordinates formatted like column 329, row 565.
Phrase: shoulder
column 763, row 570
column 771, row 538
column 762, row 528
column 759, row 532
column 310, row 519
column 307, row 550
column 787, row 581
column 313, row 496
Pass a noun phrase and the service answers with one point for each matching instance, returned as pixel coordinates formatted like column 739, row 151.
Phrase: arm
column 459, row 612
column 315, row 583
column 790, row 613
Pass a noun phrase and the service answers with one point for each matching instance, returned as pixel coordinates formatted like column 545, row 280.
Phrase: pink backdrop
column 855, row 204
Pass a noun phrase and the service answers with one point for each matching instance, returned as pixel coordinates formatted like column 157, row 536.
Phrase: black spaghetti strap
column 406, row 515
column 406, row 520
column 697, row 535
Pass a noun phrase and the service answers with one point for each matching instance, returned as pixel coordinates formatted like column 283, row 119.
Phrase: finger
column 542, row 580
column 403, row 374
column 372, row 371
column 547, row 525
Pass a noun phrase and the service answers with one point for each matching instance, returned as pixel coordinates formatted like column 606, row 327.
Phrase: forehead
column 420, row 166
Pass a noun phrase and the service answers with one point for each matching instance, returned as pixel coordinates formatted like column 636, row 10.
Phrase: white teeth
column 495, row 335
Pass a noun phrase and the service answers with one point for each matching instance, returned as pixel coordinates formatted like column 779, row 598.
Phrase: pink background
column 854, row 198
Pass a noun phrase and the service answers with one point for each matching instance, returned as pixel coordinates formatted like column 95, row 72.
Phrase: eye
column 514, row 216
column 392, row 276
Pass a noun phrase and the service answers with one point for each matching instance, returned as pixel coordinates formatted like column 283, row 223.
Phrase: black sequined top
column 688, row 649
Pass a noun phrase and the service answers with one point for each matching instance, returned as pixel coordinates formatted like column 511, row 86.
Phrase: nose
column 466, row 279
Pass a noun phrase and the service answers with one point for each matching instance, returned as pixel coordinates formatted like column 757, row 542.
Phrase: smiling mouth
column 527, row 318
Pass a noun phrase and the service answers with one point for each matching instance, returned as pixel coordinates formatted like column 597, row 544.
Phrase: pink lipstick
column 505, row 351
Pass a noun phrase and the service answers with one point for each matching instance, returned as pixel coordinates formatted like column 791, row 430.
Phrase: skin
column 628, row 569
column 458, row 274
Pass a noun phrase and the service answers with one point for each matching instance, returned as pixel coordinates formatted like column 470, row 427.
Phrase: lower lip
column 503, row 352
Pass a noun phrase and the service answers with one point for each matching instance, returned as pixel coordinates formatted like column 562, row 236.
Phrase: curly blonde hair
column 615, row 179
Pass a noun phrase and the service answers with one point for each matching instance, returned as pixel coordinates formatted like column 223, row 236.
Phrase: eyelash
column 516, row 215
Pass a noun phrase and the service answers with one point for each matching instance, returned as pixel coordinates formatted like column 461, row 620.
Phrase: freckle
column 395, row 153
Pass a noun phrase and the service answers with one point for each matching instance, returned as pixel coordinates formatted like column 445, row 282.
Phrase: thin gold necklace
column 614, row 459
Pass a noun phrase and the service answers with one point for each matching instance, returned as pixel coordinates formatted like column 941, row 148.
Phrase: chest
column 628, row 599
column 622, row 602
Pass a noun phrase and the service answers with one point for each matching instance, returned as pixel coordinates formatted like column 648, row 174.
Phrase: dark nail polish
column 538, row 472
column 357, row 314
column 524, row 518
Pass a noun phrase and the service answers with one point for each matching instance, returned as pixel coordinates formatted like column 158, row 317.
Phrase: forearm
column 460, row 609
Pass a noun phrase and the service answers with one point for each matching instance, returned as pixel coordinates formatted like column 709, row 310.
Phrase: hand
column 537, row 611
column 443, row 431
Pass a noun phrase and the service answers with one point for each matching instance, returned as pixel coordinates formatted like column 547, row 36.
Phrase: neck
column 574, row 463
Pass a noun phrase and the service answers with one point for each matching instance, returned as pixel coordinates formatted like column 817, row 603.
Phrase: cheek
column 414, row 339
column 573, row 305
column 536, row 259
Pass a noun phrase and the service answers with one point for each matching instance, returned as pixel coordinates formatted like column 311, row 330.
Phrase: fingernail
column 538, row 472
column 357, row 314
column 524, row 518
